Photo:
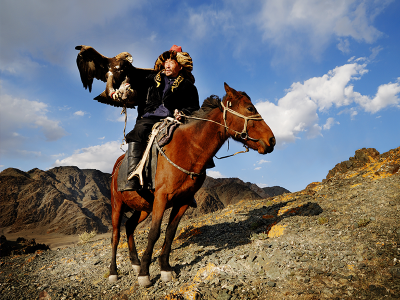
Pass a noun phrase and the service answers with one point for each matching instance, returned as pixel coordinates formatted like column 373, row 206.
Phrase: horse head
column 244, row 123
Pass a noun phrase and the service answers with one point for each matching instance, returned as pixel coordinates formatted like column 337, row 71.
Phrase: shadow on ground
column 229, row 235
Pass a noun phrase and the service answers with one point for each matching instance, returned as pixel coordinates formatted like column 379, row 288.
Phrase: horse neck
column 205, row 138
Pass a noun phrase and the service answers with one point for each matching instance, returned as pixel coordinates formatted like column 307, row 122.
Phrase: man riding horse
column 167, row 92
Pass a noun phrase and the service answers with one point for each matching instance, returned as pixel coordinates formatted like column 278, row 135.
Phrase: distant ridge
column 68, row 200
column 65, row 200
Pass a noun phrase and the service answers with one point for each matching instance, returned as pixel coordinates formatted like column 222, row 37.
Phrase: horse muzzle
column 264, row 149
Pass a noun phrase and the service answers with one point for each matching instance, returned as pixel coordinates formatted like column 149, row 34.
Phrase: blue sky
column 325, row 75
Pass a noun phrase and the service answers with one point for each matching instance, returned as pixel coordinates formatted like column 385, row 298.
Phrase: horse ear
column 226, row 86
column 229, row 90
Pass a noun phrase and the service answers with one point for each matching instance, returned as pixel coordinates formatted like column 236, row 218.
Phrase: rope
column 256, row 117
column 126, row 118
column 247, row 150
column 175, row 165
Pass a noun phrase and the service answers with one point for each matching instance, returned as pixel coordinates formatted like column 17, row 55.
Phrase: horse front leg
column 174, row 219
column 116, row 217
column 130, row 226
column 154, row 234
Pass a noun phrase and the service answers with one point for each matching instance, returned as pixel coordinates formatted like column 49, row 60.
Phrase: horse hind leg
column 174, row 219
column 130, row 226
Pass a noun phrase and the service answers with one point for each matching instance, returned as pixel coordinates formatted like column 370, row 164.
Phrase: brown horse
column 193, row 145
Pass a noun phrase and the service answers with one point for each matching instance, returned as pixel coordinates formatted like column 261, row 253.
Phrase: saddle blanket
column 166, row 129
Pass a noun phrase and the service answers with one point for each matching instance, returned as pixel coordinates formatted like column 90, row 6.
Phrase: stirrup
column 133, row 185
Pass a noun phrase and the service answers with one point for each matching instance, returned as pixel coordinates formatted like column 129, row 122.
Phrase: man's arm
column 191, row 100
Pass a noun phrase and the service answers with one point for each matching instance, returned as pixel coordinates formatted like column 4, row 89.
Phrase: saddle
column 146, row 169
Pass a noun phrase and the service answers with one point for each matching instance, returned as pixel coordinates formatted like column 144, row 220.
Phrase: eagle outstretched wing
column 116, row 71
column 92, row 64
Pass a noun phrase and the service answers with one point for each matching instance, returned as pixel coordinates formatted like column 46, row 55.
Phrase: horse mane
column 208, row 105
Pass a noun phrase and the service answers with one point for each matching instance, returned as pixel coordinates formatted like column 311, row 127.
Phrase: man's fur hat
column 183, row 58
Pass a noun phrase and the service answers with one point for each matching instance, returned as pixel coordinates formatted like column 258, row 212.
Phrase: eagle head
column 125, row 56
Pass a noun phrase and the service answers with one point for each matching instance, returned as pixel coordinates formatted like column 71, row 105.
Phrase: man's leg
column 137, row 140
column 135, row 151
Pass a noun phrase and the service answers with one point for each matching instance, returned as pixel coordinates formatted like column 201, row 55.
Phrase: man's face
column 172, row 67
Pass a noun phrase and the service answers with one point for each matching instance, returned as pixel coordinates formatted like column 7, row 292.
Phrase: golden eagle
column 116, row 72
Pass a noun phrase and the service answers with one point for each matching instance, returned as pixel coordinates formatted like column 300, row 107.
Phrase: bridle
column 243, row 135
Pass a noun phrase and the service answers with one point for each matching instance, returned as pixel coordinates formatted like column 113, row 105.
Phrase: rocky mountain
column 67, row 200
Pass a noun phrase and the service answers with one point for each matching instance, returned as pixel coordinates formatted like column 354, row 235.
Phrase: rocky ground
column 336, row 239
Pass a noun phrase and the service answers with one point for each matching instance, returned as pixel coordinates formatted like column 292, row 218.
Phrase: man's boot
column 135, row 151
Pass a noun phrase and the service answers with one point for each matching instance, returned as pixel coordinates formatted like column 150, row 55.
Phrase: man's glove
column 116, row 95
column 178, row 115
column 123, row 93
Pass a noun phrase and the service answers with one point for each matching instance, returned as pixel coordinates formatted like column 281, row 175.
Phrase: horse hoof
column 112, row 278
column 144, row 281
column 166, row 276
column 136, row 269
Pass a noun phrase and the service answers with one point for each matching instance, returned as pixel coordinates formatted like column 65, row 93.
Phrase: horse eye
column 251, row 109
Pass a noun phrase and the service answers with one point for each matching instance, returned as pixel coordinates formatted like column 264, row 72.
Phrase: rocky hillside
column 336, row 239
column 67, row 200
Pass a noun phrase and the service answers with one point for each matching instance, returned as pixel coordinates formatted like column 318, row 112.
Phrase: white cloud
column 29, row 153
column 54, row 156
column 317, row 23
column 329, row 123
column 344, row 45
column 79, row 113
column 258, row 168
column 263, row 161
column 203, row 21
column 17, row 114
column 292, row 114
column 351, row 111
column 64, row 108
column 314, row 131
column 114, row 114
column 297, row 111
column 262, row 185
column 100, row 157
column 49, row 27
column 374, row 52
column 214, row 174
column 387, row 95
